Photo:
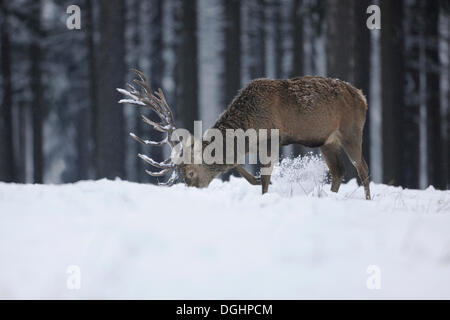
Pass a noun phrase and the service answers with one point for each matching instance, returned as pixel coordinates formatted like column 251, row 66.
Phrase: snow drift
column 228, row 241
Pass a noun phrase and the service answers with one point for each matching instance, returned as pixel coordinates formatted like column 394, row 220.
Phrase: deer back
column 307, row 110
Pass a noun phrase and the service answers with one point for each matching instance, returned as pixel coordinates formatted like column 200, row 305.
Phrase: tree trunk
column 188, row 68
column 7, row 165
column 233, row 49
column 255, row 49
column 297, row 38
column 392, row 77
column 278, row 37
column 138, row 6
column 93, row 87
column 435, row 140
column 232, row 56
column 82, row 143
column 36, row 91
column 84, row 109
column 410, row 157
column 362, row 63
column 340, row 49
column 156, row 71
column 256, row 38
column 21, row 151
column 110, row 142
column 340, row 39
column 445, row 7
column 233, row 63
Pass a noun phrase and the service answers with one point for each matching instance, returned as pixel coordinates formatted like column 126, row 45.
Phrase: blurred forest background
column 60, row 120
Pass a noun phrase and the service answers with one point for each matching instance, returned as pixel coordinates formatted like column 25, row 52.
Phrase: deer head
column 197, row 175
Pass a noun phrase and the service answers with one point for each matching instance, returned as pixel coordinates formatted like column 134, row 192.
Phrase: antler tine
column 158, row 99
column 159, row 173
column 144, row 86
column 166, row 164
column 150, row 101
column 153, row 102
column 140, row 95
column 130, row 87
column 143, row 80
column 133, row 90
column 162, row 98
column 149, row 142
column 157, row 126
column 156, row 103
column 171, row 180
column 156, row 107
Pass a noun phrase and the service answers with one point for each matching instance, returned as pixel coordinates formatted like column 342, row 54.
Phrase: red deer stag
column 311, row 111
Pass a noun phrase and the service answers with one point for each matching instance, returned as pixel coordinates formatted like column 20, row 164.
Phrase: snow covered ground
column 129, row 240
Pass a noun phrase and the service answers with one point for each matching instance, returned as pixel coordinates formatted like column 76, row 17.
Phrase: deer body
column 306, row 110
column 311, row 111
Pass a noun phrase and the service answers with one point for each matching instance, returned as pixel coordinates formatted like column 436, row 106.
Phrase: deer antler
column 158, row 104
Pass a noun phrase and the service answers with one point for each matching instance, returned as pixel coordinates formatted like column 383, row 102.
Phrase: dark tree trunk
column 137, row 41
column 232, row 55
column 410, row 155
column 447, row 143
column 256, row 38
column 392, row 77
column 297, row 38
column 37, row 109
column 21, row 152
column 82, row 143
column 436, row 158
column 445, row 7
column 340, row 49
column 83, row 117
column 362, row 63
column 232, row 49
column 93, row 87
column 110, row 142
column 156, row 71
column 174, row 7
column 278, row 38
column 7, row 165
column 188, row 68
column 255, row 20
column 340, row 39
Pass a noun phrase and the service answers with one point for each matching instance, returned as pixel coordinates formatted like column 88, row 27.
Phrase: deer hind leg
column 353, row 148
column 332, row 154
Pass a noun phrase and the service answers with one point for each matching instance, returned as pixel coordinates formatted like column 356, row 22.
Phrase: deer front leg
column 265, row 182
column 248, row 176
column 266, row 172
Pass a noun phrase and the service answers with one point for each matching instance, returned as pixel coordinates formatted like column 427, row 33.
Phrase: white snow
column 228, row 241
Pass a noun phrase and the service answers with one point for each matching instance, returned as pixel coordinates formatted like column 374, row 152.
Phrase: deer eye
column 191, row 174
